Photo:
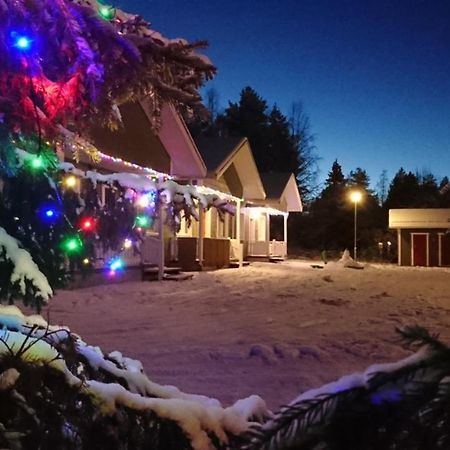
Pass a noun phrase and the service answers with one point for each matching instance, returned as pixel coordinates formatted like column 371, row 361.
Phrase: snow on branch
column 25, row 270
column 203, row 420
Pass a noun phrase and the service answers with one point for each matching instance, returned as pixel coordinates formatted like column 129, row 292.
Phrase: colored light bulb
column 86, row 261
column 107, row 12
column 21, row 42
column 48, row 212
column 142, row 221
column 87, row 224
column 72, row 245
column 37, row 163
column 128, row 243
column 143, row 201
column 70, row 181
column 116, row 264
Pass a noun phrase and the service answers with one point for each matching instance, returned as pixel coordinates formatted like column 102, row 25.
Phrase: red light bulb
column 87, row 224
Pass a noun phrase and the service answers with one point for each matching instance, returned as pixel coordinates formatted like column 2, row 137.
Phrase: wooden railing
column 266, row 248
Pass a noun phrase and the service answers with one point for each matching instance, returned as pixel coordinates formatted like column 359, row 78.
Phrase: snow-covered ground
column 270, row 329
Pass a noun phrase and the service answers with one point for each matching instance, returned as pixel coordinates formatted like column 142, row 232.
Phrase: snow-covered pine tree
column 64, row 65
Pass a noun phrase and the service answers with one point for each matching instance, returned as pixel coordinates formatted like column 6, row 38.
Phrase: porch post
column 161, row 243
column 201, row 233
column 238, row 231
column 285, row 216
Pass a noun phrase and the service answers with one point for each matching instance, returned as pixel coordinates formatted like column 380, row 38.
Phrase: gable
column 245, row 167
column 135, row 141
column 232, row 180
column 186, row 161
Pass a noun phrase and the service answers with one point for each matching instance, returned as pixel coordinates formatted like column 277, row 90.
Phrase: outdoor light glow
column 70, row 181
column 355, row 196
column 86, row 261
column 128, row 243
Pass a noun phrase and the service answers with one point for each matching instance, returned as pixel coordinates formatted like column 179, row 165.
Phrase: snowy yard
column 270, row 329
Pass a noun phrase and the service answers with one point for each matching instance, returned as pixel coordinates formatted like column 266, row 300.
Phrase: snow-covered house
column 137, row 149
column 423, row 236
column 231, row 173
column 265, row 221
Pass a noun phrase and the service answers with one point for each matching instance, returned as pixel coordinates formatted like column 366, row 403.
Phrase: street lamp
column 355, row 197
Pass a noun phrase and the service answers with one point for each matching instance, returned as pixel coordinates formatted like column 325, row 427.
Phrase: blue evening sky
column 374, row 76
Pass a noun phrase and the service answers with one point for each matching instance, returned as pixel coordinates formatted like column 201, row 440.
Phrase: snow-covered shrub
column 397, row 406
column 57, row 392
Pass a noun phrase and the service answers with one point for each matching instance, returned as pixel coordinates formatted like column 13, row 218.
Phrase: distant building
column 423, row 236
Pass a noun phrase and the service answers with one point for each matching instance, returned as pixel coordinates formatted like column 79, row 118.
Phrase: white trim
column 428, row 247
column 399, row 246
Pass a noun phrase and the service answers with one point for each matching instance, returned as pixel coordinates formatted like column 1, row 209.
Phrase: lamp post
column 355, row 197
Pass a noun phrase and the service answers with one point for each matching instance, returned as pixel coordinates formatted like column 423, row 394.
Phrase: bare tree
column 382, row 187
column 212, row 100
column 300, row 128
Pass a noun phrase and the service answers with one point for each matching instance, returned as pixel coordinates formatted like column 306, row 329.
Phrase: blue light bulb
column 21, row 42
column 116, row 264
column 49, row 213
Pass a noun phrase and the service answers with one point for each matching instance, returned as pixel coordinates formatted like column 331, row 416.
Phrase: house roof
column 275, row 183
column 216, row 151
column 231, row 159
column 419, row 218
column 135, row 141
column 281, row 187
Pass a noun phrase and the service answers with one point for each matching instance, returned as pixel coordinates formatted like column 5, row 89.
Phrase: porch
column 265, row 233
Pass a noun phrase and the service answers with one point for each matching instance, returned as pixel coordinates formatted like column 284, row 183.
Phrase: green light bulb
column 72, row 245
column 107, row 12
column 142, row 221
column 37, row 163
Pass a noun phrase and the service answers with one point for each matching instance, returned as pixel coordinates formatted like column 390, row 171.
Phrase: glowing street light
column 355, row 197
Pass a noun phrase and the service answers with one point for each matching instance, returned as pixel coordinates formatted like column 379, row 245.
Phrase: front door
column 419, row 249
column 445, row 249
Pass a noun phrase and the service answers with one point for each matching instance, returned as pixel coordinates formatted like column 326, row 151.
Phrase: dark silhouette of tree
column 278, row 144
column 444, row 193
column 212, row 100
column 282, row 153
column 329, row 224
column 382, row 187
column 409, row 190
column 358, row 178
column 429, row 196
column 248, row 118
column 403, row 191
column 335, row 176
column 300, row 127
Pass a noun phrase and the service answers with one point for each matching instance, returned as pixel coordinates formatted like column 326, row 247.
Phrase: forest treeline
column 283, row 143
